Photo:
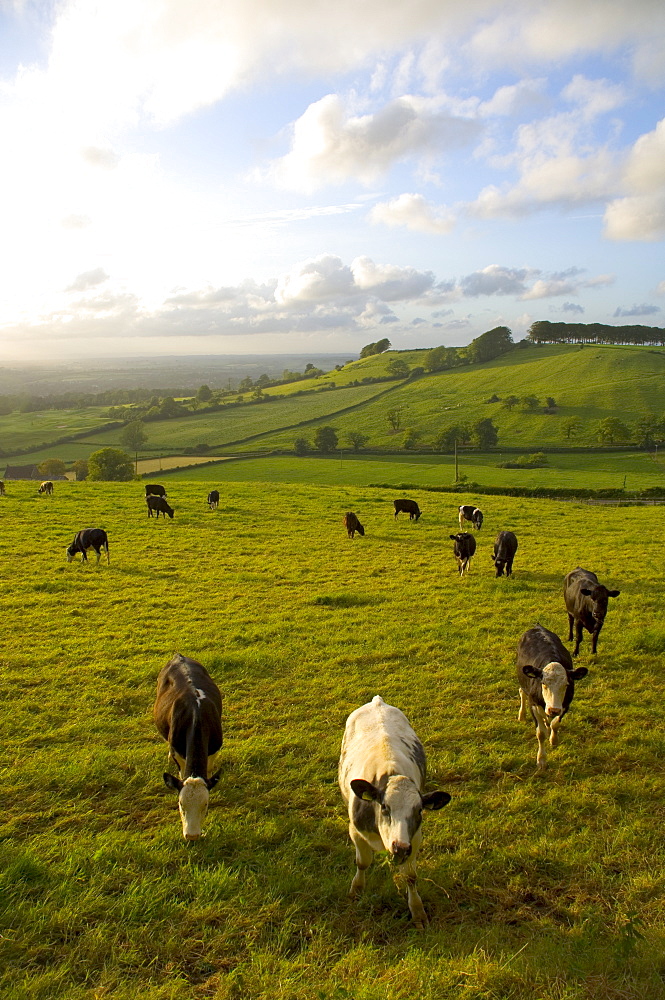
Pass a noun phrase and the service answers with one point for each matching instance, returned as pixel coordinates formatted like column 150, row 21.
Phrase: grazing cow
column 46, row 488
column 188, row 714
column 159, row 505
column 467, row 512
column 505, row 547
column 95, row 538
column 409, row 507
column 586, row 603
column 464, row 548
column 2, row 489
column 155, row 490
column 547, row 684
column 213, row 499
column 381, row 777
column 352, row 524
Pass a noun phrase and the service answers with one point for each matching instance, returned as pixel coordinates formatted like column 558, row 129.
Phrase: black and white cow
column 213, row 499
column 188, row 714
column 586, row 604
column 505, row 547
column 547, row 684
column 89, row 538
column 382, row 777
column 46, row 488
column 409, row 507
column 467, row 512
column 464, row 548
column 155, row 490
column 159, row 506
column 352, row 524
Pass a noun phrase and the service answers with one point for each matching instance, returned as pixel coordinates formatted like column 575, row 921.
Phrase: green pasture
column 25, row 430
column 575, row 470
column 537, row 887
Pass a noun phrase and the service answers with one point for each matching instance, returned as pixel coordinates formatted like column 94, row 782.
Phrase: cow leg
column 364, row 858
column 541, row 736
column 99, row 553
column 521, row 715
column 570, row 627
column 594, row 639
column 509, row 568
column 578, row 637
column 416, row 907
column 554, row 730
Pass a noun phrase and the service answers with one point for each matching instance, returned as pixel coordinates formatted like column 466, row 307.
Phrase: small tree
column 611, row 429
column 529, row 403
column 110, row 465
column 510, row 402
column 133, row 438
column 447, row 438
column 394, row 418
column 52, row 467
column 357, row 440
column 204, row 394
column 412, row 437
column 170, row 408
column 80, row 468
column 301, row 446
column 648, row 431
column 325, row 439
column 398, row 368
column 571, row 426
column 484, row 434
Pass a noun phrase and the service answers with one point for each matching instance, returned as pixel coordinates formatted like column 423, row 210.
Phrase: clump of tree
column 301, row 446
column 611, row 430
column 325, row 439
column 571, row 427
column 52, row 468
column 110, row 465
column 394, row 418
column 376, row 348
column 412, row 438
column 398, row 368
column 441, row 358
column 356, row 440
column 484, row 434
column 544, row 332
column 456, row 433
column 489, row 345
column 536, row 461
column 80, row 469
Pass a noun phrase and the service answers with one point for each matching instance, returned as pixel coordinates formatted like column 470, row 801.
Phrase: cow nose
column 554, row 711
column 400, row 852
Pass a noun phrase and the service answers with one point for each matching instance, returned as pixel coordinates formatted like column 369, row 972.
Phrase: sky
column 247, row 176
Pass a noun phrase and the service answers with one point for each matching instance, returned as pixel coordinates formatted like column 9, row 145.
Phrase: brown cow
column 352, row 524
column 409, row 507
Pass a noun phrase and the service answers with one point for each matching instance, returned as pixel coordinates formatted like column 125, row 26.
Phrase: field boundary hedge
column 535, row 492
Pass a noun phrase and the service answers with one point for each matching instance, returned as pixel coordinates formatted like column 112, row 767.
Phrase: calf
column 505, row 547
column 155, row 490
column 213, row 499
column 409, row 507
column 158, row 505
column 46, row 488
column 464, row 548
column 352, row 524
column 467, row 512
column 586, row 603
column 381, row 777
column 547, row 684
column 95, row 538
column 188, row 714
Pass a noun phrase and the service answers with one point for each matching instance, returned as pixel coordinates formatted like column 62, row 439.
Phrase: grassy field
column 576, row 470
column 536, row 887
column 25, row 430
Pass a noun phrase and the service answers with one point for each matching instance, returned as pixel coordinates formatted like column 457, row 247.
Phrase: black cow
column 352, row 524
column 89, row 538
column 2, row 489
column 464, row 548
column 213, row 499
column 188, row 714
column 409, row 507
column 547, row 684
column 159, row 505
column 505, row 547
column 586, row 603
column 155, row 490
column 467, row 512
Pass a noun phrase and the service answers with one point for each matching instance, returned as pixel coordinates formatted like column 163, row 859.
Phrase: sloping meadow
column 536, row 886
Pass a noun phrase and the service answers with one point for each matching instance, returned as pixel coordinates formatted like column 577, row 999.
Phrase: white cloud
column 88, row 279
column 413, row 212
column 640, row 215
column 330, row 145
column 495, row 280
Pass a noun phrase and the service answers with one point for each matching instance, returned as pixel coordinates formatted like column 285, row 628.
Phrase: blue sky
column 256, row 176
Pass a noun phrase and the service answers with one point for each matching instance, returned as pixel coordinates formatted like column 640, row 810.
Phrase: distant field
column 578, row 471
column 23, row 430
column 537, row 887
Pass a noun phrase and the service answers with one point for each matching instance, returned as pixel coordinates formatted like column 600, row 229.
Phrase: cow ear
column 585, row 591
column 530, row 671
column 578, row 674
column 454, row 537
column 435, row 800
column 171, row 781
column 613, row 593
column 365, row 790
column 211, row 782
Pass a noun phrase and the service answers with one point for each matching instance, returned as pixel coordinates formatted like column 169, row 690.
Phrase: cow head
column 399, row 816
column 554, row 679
column 193, row 796
column 599, row 596
column 71, row 551
column 360, row 529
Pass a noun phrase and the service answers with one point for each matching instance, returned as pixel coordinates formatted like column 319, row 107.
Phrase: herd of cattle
column 382, row 766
